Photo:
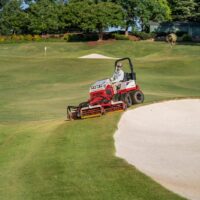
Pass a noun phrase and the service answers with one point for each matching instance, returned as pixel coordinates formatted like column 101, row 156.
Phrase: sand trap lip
column 163, row 141
column 97, row 56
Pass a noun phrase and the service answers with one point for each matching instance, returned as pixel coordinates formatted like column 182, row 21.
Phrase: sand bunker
column 97, row 56
column 163, row 141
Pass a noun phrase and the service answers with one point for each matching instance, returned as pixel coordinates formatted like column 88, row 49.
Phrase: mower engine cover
column 101, row 91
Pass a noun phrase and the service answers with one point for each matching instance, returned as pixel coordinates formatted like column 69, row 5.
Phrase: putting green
column 44, row 157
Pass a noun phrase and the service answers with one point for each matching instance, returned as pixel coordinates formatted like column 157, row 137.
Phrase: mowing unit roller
column 116, row 107
column 91, row 111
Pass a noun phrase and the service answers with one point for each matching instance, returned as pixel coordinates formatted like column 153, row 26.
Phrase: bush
column 186, row 38
column 80, row 37
column 171, row 38
column 37, row 38
column 15, row 37
column 28, row 37
column 2, row 38
column 66, row 37
column 180, row 33
column 18, row 38
column 120, row 37
column 21, row 37
column 143, row 35
column 90, row 37
column 75, row 37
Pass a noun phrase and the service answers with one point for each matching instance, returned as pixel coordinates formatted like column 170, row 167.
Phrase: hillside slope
column 42, row 156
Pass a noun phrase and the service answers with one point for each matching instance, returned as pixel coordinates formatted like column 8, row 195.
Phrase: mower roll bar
column 133, row 75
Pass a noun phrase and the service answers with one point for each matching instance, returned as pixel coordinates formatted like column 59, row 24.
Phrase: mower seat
column 129, row 76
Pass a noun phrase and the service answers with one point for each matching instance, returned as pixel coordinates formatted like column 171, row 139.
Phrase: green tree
column 12, row 18
column 44, row 17
column 144, row 11
column 130, row 8
column 154, row 10
column 182, row 10
column 54, row 1
column 90, row 16
column 196, row 16
column 2, row 3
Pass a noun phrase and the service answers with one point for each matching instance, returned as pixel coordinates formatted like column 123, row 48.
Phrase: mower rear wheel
column 137, row 97
column 127, row 99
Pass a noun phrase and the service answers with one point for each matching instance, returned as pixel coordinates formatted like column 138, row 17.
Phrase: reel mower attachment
column 79, row 112
column 91, row 111
column 116, row 107
column 72, row 112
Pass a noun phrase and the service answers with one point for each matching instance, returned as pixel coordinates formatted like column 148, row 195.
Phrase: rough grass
column 44, row 157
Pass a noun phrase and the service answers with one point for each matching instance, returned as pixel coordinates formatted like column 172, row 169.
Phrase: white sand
column 163, row 141
column 97, row 56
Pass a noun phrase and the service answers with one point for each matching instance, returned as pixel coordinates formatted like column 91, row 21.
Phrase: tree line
column 60, row 16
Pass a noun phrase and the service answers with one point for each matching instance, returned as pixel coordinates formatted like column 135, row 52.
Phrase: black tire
column 137, row 97
column 127, row 99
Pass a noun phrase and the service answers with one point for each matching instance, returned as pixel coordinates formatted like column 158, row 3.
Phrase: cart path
column 163, row 141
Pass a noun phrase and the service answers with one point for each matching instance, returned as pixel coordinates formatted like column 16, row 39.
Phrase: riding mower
column 104, row 98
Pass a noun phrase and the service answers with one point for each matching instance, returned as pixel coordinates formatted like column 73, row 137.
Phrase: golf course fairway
column 45, row 157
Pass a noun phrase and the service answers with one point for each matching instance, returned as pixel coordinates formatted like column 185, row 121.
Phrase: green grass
column 42, row 156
